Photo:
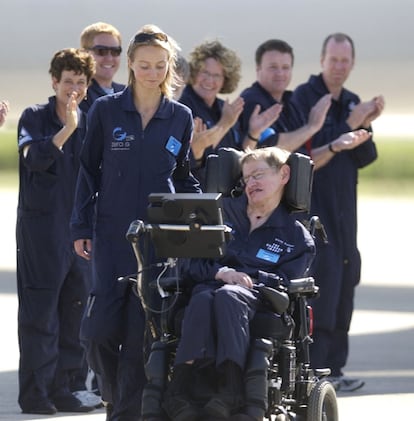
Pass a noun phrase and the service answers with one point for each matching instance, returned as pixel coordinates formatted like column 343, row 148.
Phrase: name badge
column 173, row 145
column 267, row 255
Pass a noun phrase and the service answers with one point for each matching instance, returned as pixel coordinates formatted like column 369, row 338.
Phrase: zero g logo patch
column 121, row 140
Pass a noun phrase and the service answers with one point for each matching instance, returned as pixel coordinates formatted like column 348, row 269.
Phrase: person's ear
column 54, row 83
column 285, row 173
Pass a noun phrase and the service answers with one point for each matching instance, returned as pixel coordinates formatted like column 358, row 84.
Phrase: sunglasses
column 103, row 50
column 146, row 36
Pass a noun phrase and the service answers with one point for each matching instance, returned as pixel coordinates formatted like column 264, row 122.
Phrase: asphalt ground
column 382, row 332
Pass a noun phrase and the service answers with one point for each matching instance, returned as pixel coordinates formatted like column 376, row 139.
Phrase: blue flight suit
column 337, row 265
column 290, row 119
column 121, row 164
column 95, row 91
column 50, row 276
column 216, row 321
column 210, row 116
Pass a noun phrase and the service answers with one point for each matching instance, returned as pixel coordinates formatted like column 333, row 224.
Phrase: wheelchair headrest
column 223, row 174
column 223, row 171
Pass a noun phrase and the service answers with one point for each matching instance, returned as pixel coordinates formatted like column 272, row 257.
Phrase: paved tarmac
column 382, row 334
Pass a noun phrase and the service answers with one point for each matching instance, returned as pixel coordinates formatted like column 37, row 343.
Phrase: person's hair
column 338, row 37
column 227, row 58
column 90, row 32
column 273, row 45
column 76, row 59
column 272, row 155
column 154, row 36
column 182, row 68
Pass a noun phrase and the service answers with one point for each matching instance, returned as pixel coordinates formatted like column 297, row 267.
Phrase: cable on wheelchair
column 163, row 294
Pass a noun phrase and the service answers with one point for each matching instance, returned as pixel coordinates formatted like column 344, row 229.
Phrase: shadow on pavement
column 383, row 361
column 10, row 410
column 384, row 298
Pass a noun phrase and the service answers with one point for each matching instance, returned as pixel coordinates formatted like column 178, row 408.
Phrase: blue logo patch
column 24, row 137
column 118, row 134
column 173, row 145
column 121, row 140
column 268, row 256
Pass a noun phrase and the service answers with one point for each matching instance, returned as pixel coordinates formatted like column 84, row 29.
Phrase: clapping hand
column 4, row 109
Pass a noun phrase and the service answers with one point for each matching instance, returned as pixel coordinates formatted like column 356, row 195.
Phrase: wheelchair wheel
column 322, row 403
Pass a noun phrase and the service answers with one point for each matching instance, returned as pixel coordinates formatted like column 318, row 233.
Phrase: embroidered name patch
column 268, row 256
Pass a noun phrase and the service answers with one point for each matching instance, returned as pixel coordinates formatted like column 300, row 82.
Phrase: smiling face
column 264, row 184
column 275, row 72
column 70, row 82
column 149, row 65
column 209, row 80
column 108, row 64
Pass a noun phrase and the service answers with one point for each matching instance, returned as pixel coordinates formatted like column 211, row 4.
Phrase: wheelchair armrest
column 303, row 286
column 278, row 300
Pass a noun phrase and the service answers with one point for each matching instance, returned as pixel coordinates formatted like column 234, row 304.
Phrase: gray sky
column 32, row 30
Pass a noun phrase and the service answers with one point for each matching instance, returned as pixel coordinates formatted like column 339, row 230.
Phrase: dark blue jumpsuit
column 121, row 164
column 337, row 265
column 216, row 321
column 210, row 116
column 290, row 119
column 50, row 276
column 95, row 91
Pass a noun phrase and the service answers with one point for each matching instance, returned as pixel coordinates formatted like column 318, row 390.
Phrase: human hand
column 360, row 114
column 233, row 277
column 231, row 112
column 350, row 140
column 260, row 121
column 202, row 137
column 199, row 125
column 83, row 248
column 4, row 109
column 378, row 103
column 72, row 112
column 318, row 113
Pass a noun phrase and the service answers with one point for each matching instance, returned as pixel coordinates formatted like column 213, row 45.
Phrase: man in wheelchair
column 268, row 248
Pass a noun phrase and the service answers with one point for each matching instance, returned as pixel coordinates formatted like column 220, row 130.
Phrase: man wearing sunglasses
column 104, row 42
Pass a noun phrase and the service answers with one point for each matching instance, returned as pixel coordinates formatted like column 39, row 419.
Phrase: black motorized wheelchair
column 279, row 381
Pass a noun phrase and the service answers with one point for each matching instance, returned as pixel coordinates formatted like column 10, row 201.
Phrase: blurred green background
column 391, row 175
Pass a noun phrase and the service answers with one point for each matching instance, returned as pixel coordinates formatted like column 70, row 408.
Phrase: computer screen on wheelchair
column 187, row 224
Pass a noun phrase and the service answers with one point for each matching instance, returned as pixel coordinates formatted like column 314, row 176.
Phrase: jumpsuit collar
column 164, row 111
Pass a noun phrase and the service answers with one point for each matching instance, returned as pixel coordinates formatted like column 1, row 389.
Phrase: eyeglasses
column 257, row 175
column 150, row 36
column 215, row 76
column 104, row 50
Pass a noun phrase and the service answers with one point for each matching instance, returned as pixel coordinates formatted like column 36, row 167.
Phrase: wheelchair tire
column 322, row 403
